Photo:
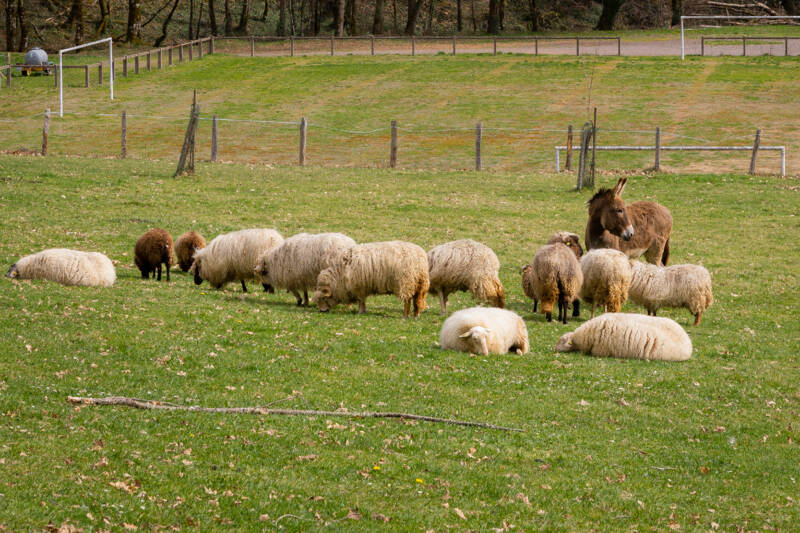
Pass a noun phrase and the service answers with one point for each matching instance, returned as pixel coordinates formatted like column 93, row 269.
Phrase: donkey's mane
column 601, row 192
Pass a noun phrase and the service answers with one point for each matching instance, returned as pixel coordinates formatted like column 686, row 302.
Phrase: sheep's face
column 477, row 337
column 573, row 242
column 565, row 343
column 13, row 272
column 198, row 278
column 324, row 300
column 262, row 274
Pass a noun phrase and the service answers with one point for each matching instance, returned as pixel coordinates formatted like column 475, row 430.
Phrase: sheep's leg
column 419, row 303
column 593, row 309
column 159, row 272
column 562, row 306
column 305, row 297
column 362, row 306
column 576, row 308
column 268, row 288
column 443, row 302
column 244, row 287
column 406, row 307
column 535, row 302
column 697, row 318
column 549, row 316
column 297, row 297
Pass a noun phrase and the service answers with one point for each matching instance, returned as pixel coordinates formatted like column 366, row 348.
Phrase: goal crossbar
column 739, row 17
column 110, row 42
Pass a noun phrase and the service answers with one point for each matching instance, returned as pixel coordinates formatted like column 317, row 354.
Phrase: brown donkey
column 636, row 229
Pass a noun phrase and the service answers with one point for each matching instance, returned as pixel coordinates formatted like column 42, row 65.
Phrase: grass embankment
column 525, row 104
column 605, row 444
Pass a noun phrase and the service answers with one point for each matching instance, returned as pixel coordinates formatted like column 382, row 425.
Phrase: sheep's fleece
column 68, row 267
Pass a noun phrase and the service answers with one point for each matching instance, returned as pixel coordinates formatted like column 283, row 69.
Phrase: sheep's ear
column 466, row 334
column 326, row 293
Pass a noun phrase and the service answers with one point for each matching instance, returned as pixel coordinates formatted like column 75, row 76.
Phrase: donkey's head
column 608, row 207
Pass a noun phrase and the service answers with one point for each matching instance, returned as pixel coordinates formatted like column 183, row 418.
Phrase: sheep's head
column 499, row 297
column 13, row 271
column 261, row 271
column 570, row 240
column 195, row 269
column 565, row 343
column 477, row 337
column 323, row 296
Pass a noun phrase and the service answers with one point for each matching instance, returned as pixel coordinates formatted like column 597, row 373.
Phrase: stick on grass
column 150, row 404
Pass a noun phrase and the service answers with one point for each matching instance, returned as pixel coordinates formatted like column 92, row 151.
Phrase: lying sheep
column 629, row 336
column 465, row 265
column 295, row 264
column 686, row 286
column 571, row 241
column 68, row 267
column 606, row 279
column 485, row 330
column 392, row 267
column 153, row 248
column 185, row 247
column 233, row 256
column 553, row 275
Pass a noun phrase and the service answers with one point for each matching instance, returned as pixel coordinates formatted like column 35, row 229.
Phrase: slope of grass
column 605, row 444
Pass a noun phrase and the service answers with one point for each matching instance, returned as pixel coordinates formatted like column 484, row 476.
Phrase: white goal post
column 709, row 17
column 110, row 42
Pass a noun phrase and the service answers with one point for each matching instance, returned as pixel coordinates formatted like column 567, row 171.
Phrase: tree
column 340, row 18
column 265, row 12
column 534, row 16
column 377, row 20
column 105, row 17
column 75, row 20
column 350, row 17
column 11, row 24
column 791, row 7
column 281, row 28
column 459, row 18
column 228, row 18
column 133, row 33
column 244, row 18
column 494, row 17
column 191, row 19
column 413, row 12
column 212, row 17
column 165, row 24
column 609, row 13
column 677, row 11
column 429, row 23
column 22, row 24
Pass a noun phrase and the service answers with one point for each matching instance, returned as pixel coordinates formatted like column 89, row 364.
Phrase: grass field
column 605, row 445
column 525, row 104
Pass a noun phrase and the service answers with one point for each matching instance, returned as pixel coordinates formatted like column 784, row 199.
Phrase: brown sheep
column 185, row 247
column 152, row 249
column 571, row 241
column 553, row 275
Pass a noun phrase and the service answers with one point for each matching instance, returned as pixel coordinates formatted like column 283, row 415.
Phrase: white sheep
column 485, row 330
column 606, row 279
column 686, row 286
column 629, row 336
column 233, row 256
column 295, row 264
column 392, row 267
column 465, row 265
column 68, row 267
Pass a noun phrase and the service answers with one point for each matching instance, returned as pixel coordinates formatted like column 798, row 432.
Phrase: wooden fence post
column 149, row 54
column 200, row 49
column 191, row 51
column 478, row 138
column 331, row 44
column 211, row 45
column 169, row 58
column 413, row 46
column 393, row 146
column 8, row 58
column 86, row 75
column 619, row 46
column 594, row 144
column 136, row 65
column 291, row 45
column 786, row 46
column 755, row 152
column 495, row 45
column 372, row 45
column 160, row 61
column 568, row 165
column 180, row 53
column 252, row 46
column 744, row 47
column 536, row 46
column 8, row 77
column 454, row 44
column 577, row 46
column 214, row 146
column 100, row 74
column 303, row 127
column 124, row 152
column 657, row 164
column 125, row 66
column 45, row 130
column 702, row 45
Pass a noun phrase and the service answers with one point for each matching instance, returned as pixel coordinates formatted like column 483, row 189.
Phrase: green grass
column 525, row 104
column 605, row 444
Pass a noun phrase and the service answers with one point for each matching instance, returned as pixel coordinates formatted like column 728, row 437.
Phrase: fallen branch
column 151, row 404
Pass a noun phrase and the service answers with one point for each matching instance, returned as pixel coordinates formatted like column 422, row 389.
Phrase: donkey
column 636, row 229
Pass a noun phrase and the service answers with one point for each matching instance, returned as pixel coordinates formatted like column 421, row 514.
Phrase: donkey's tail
column 665, row 255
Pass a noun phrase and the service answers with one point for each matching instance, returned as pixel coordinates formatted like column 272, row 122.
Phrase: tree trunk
column 133, row 31
column 459, row 19
column 22, row 25
column 76, row 20
column 11, row 24
column 228, row 18
column 291, row 18
column 493, row 19
column 429, row 23
column 199, row 20
column 165, row 25
column 191, row 19
column 105, row 17
column 350, row 17
column 677, row 11
column 281, row 28
column 377, row 20
column 395, row 27
column 317, row 21
column 212, row 17
column 244, row 18
column 265, row 13
column 340, row 18
column 534, row 16
column 413, row 12
column 609, row 13
column 790, row 6
column 502, row 14
column 474, row 20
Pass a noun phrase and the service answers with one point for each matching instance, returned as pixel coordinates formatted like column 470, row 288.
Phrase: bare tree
column 165, row 25
column 494, row 17
column 212, row 18
column 105, row 17
column 459, row 19
column 199, row 20
column 677, row 11
column 244, row 18
column 377, row 20
column 281, row 28
column 413, row 12
column 534, row 15
column 340, row 18
column 228, row 18
column 22, row 24
column 265, row 13
column 791, row 7
column 474, row 20
column 350, row 17
column 133, row 33
column 609, row 14
column 191, row 19
column 429, row 23
column 11, row 25
column 75, row 20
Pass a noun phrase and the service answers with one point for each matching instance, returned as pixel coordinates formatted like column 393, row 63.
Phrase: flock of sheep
column 337, row 270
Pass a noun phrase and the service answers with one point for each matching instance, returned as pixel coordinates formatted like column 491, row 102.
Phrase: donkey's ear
column 620, row 186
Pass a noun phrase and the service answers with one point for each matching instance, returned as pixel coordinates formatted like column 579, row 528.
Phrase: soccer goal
column 730, row 17
column 110, row 42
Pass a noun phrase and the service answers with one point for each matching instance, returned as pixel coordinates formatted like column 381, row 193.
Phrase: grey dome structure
column 36, row 56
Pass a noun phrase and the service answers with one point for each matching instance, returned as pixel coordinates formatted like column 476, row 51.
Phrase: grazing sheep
column 553, row 275
column 68, row 267
column 686, row 286
column 629, row 336
column 233, row 256
column 485, row 330
column 392, row 267
column 153, row 248
column 606, row 279
column 571, row 241
column 185, row 247
column 465, row 265
column 295, row 264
